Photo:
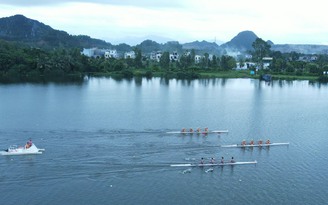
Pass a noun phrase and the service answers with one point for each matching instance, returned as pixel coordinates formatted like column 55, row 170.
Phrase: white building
column 245, row 66
column 198, row 58
column 156, row 56
column 90, row 52
column 174, row 57
column 130, row 54
column 266, row 62
column 111, row 54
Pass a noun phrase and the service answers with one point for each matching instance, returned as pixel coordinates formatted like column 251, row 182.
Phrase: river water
column 106, row 142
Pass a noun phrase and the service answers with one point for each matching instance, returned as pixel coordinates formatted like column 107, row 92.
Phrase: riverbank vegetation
column 19, row 62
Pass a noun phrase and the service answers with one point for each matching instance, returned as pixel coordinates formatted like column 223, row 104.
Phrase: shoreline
column 183, row 75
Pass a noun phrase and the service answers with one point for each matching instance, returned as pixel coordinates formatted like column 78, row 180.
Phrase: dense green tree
column 165, row 60
column 138, row 58
column 214, row 63
column 313, row 68
column 261, row 49
column 227, row 62
column 206, row 60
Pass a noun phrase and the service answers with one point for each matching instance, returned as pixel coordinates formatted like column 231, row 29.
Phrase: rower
column 252, row 142
column 198, row 130
column 212, row 160
column 206, row 129
column 260, row 142
column 183, row 130
column 268, row 142
column 232, row 160
column 202, row 160
column 191, row 130
column 222, row 160
column 243, row 142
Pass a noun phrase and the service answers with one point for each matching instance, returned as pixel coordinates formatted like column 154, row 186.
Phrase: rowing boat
column 196, row 132
column 215, row 164
column 255, row 145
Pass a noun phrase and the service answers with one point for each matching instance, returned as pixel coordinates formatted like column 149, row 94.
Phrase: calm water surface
column 106, row 142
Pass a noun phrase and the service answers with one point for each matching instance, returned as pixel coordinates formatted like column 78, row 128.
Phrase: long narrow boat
column 255, row 145
column 196, row 132
column 215, row 164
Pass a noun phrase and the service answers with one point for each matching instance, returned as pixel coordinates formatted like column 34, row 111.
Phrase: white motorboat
column 23, row 150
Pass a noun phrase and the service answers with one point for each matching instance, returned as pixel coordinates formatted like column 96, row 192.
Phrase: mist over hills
column 34, row 33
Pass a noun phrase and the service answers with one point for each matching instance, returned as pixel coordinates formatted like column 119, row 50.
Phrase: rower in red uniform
column 268, row 142
column 252, row 142
column 260, row 142
column 243, row 142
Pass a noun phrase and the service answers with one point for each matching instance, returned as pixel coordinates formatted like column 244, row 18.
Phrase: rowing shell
column 216, row 164
column 195, row 132
column 256, row 145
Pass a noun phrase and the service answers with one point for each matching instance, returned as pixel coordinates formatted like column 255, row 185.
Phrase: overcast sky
column 131, row 21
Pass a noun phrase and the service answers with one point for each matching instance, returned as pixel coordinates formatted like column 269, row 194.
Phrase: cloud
column 135, row 3
column 183, row 20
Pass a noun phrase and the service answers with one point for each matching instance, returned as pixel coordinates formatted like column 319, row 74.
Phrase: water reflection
column 317, row 84
column 61, row 80
column 138, row 81
column 164, row 81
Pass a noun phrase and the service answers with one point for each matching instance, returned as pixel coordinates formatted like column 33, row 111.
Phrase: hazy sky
column 131, row 21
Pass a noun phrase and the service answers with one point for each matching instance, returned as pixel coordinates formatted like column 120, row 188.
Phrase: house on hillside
column 198, row 58
column 156, row 56
column 308, row 58
column 174, row 56
column 266, row 62
column 130, row 54
column 89, row 52
column 97, row 53
column 110, row 54
column 245, row 66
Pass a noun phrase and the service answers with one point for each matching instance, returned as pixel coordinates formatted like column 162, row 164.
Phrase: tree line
column 19, row 62
column 290, row 63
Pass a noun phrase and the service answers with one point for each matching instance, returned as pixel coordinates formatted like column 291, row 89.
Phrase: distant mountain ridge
column 22, row 29
column 203, row 46
column 34, row 33
column 301, row 48
column 243, row 41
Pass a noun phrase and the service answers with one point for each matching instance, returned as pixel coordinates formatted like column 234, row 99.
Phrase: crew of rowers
column 212, row 161
column 260, row 142
column 198, row 130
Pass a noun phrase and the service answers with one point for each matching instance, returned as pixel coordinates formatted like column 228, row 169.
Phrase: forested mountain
column 33, row 33
column 36, row 34
column 149, row 46
column 203, row 46
column 242, row 42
